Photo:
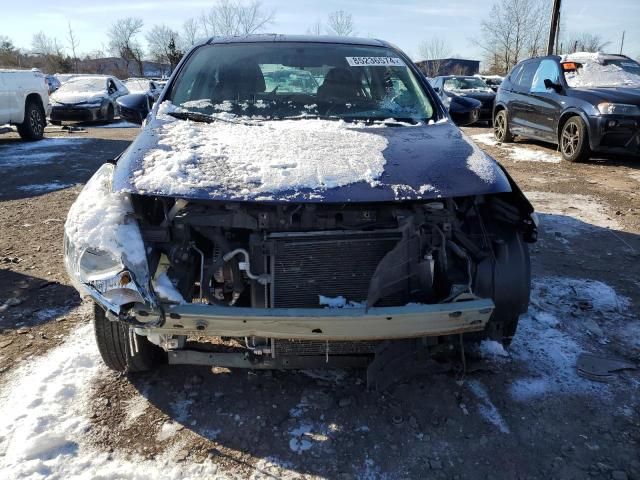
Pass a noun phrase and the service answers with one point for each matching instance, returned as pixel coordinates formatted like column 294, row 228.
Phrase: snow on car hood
column 304, row 160
column 79, row 97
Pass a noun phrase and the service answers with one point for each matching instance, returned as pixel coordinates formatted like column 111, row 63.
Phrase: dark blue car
column 583, row 102
column 308, row 201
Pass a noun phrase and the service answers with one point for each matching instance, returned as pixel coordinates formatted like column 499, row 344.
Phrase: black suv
column 583, row 102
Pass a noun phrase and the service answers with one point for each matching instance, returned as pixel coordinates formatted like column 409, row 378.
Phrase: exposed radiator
column 307, row 265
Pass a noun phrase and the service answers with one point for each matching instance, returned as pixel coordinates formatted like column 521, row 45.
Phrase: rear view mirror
column 548, row 84
column 134, row 107
column 464, row 110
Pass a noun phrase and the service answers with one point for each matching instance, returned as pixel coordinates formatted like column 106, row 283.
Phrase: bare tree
column 434, row 50
column 316, row 28
column 161, row 44
column 235, row 17
column 586, row 42
column 51, row 52
column 340, row 23
column 190, row 33
column 73, row 45
column 514, row 29
column 123, row 41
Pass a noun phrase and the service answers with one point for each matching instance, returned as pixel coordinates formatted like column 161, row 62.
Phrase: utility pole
column 622, row 42
column 553, row 28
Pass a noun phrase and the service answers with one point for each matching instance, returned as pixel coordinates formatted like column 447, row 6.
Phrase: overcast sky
column 403, row 22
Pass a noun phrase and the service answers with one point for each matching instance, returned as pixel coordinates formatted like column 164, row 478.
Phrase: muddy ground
column 523, row 413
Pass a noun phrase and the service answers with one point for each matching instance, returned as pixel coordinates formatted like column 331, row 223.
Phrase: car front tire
column 34, row 121
column 574, row 140
column 501, row 127
column 115, row 340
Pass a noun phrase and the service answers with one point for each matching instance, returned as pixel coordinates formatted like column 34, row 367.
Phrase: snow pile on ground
column 486, row 407
column 45, row 426
column 593, row 74
column 517, row 153
column 261, row 158
column 44, row 187
column 570, row 214
column 27, row 154
column 98, row 219
column 490, row 349
column 561, row 311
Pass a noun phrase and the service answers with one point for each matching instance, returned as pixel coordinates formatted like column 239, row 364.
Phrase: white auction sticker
column 375, row 62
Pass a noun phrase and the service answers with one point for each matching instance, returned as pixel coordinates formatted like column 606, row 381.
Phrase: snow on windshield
column 466, row 85
column 253, row 160
column 84, row 84
column 137, row 85
column 594, row 73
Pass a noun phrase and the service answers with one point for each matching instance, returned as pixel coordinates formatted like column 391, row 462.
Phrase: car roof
column 275, row 37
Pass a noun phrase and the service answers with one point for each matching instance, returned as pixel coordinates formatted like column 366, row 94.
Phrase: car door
column 547, row 102
column 521, row 111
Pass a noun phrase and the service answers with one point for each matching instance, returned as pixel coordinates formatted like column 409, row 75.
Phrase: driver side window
column 548, row 70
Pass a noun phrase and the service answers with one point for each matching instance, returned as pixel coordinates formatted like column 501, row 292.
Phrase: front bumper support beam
column 378, row 323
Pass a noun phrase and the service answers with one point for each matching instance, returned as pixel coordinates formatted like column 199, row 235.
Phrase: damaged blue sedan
column 293, row 202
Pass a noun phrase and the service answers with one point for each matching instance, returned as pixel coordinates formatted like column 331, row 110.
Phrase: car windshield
column 137, row 85
column 598, row 75
column 83, row 84
column 466, row 84
column 298, row 80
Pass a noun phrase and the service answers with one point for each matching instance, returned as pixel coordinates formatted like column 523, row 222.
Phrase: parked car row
column 28, row 97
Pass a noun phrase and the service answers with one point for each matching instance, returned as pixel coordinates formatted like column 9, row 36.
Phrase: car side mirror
column 134, row 107
column 548, row 84
column 464, row 110
column 437, row 89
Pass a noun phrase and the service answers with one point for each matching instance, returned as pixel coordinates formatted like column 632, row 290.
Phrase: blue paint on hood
column 422, row 162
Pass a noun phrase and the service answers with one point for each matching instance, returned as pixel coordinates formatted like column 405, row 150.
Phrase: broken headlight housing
column 103, row 249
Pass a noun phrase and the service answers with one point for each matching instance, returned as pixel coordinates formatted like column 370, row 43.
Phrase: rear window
column 287, row 80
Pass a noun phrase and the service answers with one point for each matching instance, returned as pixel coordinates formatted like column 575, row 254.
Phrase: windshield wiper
column 305, row 117
column 204, row 118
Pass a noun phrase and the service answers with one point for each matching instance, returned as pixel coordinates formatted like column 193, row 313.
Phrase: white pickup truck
column 24, row 101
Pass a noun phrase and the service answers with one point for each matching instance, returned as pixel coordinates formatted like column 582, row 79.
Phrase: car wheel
column 574, row 140
column 501, row 127
column 115, row 341
column 34, row 121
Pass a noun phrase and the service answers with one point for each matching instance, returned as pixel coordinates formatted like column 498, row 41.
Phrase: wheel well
column 33, row 97
column 563, row 119
column 498, row 108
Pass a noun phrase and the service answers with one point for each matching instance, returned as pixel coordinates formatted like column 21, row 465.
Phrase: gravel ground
column 520, row 413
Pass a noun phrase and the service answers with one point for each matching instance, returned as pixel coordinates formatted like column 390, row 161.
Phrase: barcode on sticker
column 375, row 62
